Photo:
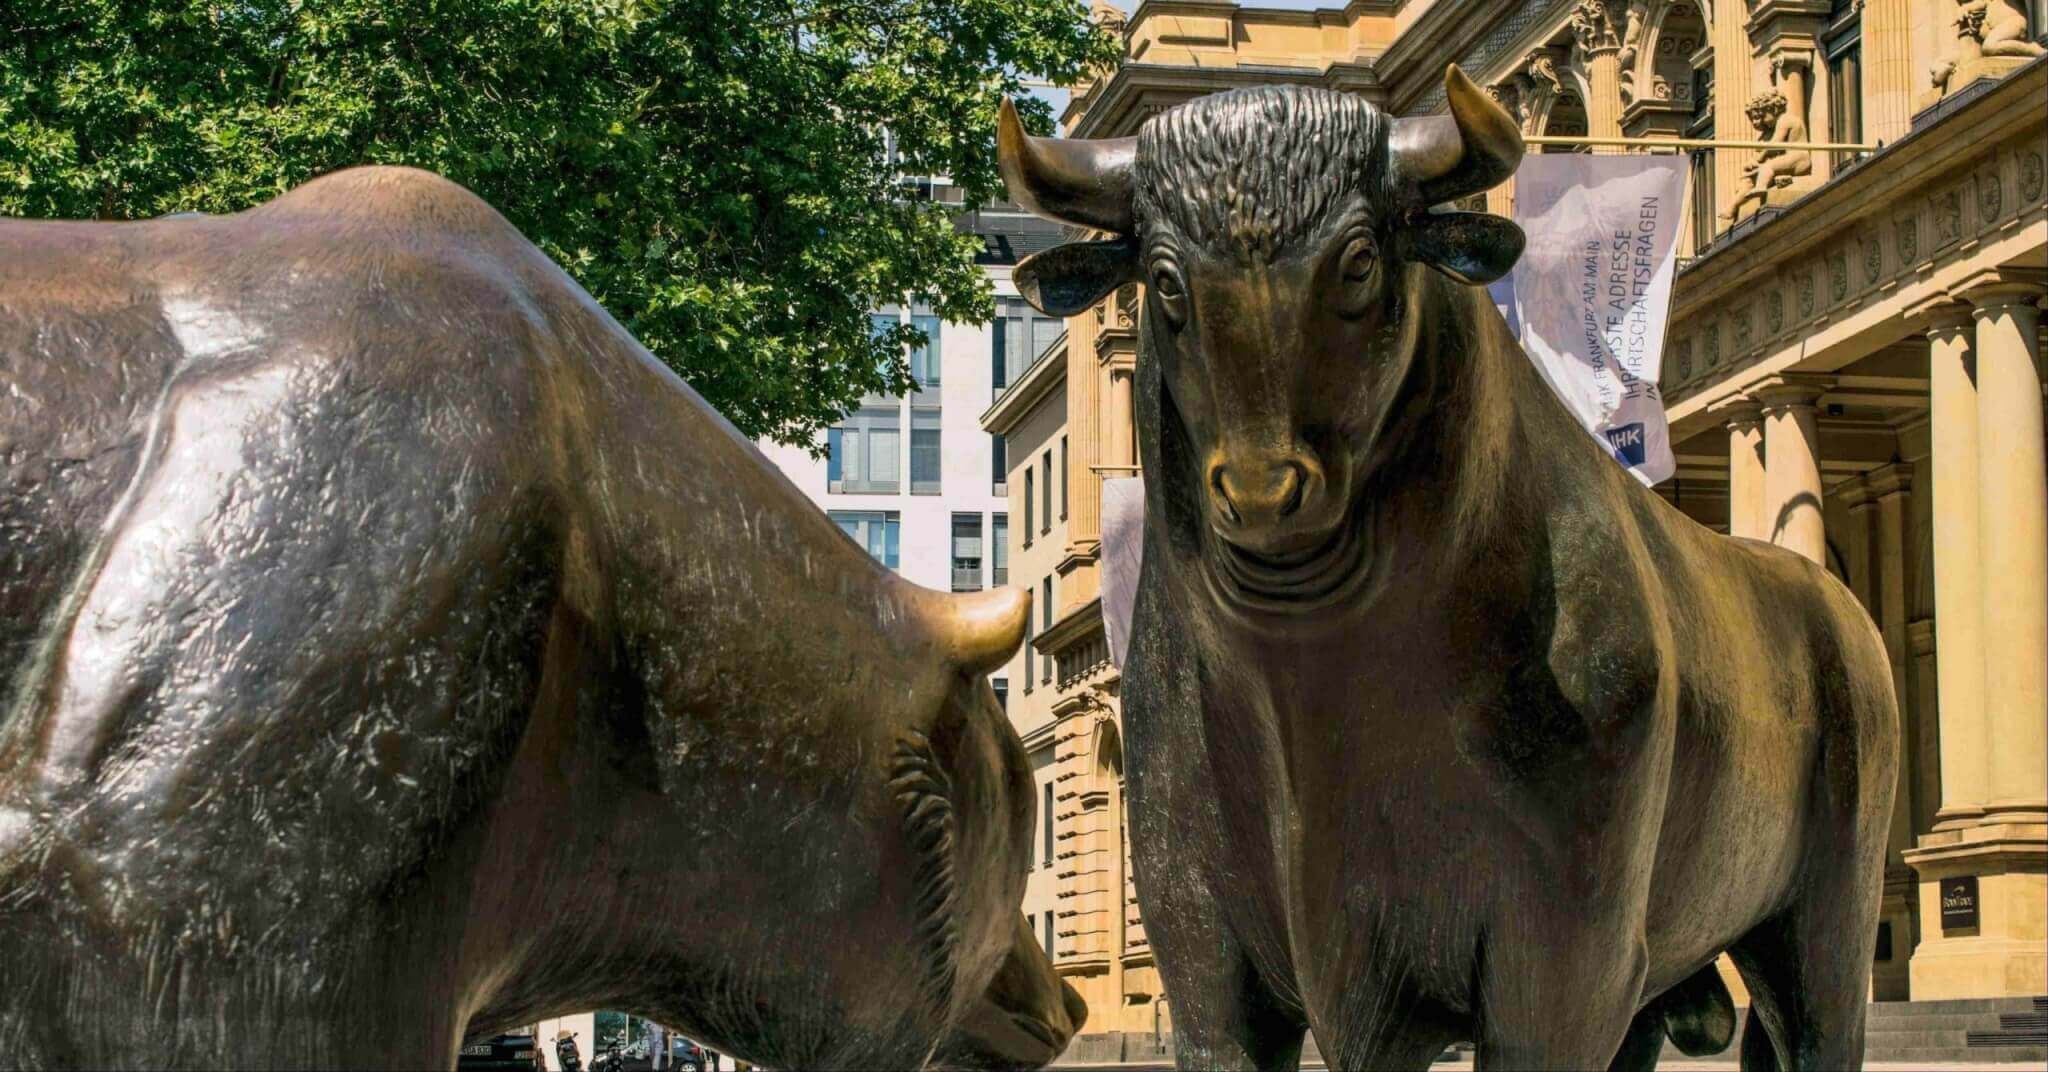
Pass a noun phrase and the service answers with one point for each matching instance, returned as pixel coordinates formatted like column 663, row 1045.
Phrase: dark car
column 499, row 1053
column 686, row 1054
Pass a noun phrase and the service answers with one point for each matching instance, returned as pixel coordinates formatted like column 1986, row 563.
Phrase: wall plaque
column 1958, row 902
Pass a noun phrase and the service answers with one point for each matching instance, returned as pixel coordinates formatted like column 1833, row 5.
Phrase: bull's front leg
column 1225, row 1014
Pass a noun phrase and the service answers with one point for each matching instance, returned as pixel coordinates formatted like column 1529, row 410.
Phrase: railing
column 966, row 579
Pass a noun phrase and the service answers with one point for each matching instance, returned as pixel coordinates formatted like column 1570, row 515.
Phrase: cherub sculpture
column 1986, row 28
column 1776, row 120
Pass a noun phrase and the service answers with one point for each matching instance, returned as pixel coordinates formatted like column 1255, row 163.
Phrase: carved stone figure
column 1778, row 115
column 1984, row 28
column 1437, row 724
column 390, row 644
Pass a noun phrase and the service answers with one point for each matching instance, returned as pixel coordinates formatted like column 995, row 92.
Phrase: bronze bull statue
column 389, row 645
column 1438, row 725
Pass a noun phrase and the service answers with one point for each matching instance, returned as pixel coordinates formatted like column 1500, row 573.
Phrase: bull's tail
column 1699, row 1014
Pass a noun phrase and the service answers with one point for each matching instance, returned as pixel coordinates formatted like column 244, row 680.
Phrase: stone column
column 1958, row 581
column 1123, row 432
column 1792, row 488
column 1858, row 502
column 2012, row 524
column 1745, row 421
column 1596, row 32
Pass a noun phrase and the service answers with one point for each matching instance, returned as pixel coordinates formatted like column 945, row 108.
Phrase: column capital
column 1941, row 316
column 1890, row 480
column 2001, row 288
column 1595, row 26
column 1855, row 493
column 1790, row 390
column 1738, row 412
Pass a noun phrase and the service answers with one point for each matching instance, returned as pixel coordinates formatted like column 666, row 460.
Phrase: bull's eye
column 1172, row 294
column 1359, row 257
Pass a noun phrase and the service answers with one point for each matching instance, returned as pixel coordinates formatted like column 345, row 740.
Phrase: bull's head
column 1282, row 234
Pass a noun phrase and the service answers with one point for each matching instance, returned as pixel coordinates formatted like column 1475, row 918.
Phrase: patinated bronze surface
column 1437, row 724
column 391, row 648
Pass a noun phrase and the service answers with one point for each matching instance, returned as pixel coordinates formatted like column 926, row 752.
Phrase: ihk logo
column 1627, row 443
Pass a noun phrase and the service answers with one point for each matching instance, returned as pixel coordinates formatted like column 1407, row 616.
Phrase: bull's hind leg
column 1808, row 973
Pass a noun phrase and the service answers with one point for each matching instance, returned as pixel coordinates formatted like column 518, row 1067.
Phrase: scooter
column 612, row 1060
column 565, row 1052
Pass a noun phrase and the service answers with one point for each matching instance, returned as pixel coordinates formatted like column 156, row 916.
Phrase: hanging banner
column 1123, row 553
column 1591, row 296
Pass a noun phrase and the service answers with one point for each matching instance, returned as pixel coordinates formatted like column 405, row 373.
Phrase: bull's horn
column 1472, row 148
column 1084, row 181
column 981, row 630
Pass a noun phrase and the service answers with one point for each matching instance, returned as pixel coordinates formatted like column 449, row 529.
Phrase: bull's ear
column 1064, row 280
column 1471, row 247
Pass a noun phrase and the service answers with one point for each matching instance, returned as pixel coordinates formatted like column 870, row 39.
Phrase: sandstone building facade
column 1852, row 370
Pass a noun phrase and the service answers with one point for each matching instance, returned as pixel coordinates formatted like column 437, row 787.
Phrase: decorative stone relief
column 1990, row 198
column 1710, row 341
column 1631, row 48
column 1740, row 323
column 1805, row 293
column 1873, row 259
column 1838, row 276
column 2030, row 177
column 1907, row 230
column 1683, row 358
column 1774, row 311
column 1593, row 26
column 1948, row 214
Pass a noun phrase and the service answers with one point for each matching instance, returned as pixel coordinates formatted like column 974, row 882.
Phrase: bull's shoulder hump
column 418, row 201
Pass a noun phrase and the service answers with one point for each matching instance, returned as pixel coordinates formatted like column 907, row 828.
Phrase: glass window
column 878, row 532
column 1843, row 45
column 999, row 535
column 924, row 358
column 1702, row 127
column 1043, row 331
column 1046, row 522
column 1045, row 854
column 1065, row 476
column 1047, row 600
column 924, row 451
column 865, row 452
column 999, row 466
column 1029, row 483
column 1030, row 657
column 966, row 552
column 1002, row 687
column 999, row 351
column 1048, row 933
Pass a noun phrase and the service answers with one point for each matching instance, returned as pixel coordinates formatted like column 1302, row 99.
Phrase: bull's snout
column 1258, row 503
column 1025, row 1018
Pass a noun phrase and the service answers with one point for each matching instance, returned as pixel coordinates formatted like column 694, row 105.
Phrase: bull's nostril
column 1299, row 482
column 1221, row 494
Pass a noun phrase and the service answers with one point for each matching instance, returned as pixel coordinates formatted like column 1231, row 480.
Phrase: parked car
column 686, row 1054
column 499, row 1053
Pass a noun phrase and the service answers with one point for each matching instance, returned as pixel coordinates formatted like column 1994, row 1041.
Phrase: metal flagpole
column 1698, row 143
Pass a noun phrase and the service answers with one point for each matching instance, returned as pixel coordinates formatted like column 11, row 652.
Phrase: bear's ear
column 1064, row 280
column 1470, row 247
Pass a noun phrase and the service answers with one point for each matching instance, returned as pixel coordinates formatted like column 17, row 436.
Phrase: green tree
column 713, row 171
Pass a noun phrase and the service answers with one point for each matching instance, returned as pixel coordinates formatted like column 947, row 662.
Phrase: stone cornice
column 1079, row 623
column 1019, row 399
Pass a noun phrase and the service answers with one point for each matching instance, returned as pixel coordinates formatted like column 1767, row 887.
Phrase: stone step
column 1976, row 1021
column 1948, row 1054
column 1892, row 1010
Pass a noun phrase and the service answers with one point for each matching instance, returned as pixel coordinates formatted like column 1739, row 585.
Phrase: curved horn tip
column 983, row 629
column 1479, row 113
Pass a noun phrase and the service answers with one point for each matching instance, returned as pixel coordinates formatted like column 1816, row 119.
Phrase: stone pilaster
column 1734, row 85
column 1887, row 491
column 1792, row 488
column 1887, row 70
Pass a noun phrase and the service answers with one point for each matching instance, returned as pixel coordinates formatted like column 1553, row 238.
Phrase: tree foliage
column 713, row 171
